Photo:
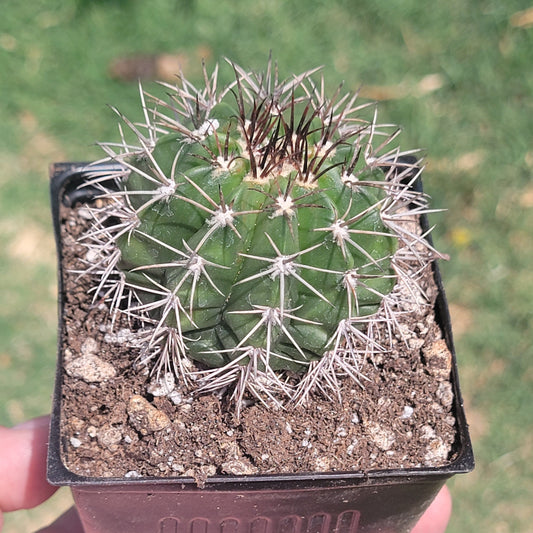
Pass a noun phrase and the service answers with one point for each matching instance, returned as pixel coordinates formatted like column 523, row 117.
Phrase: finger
column 66, row 523
column 23, row 465
column 436, row 517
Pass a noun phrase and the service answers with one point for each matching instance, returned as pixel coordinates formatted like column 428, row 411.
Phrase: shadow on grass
column 82, row 6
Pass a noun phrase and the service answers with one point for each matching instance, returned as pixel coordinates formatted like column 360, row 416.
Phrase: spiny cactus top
column 257, row 231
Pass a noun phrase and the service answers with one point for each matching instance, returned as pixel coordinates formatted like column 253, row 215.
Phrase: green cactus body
column 256, row 261
column 257, row 223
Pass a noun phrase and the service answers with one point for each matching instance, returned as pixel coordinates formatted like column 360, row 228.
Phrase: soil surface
column 116, row 423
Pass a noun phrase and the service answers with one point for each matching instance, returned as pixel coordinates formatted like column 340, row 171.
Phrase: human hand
column 23, row 482
column 23, row 473
column 436, row 518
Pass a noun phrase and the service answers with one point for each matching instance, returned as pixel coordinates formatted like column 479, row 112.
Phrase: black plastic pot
column 342, row 502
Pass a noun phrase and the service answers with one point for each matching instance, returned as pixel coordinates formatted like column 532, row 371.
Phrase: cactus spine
column 256, row 232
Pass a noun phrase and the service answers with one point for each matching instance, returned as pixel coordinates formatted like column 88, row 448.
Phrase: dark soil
column 113, row 427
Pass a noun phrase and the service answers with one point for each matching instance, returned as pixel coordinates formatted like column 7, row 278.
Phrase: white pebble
column 427, row 432
column 175, row 397
column 109, row 437
column 445, row 393
column 383, row 438
column 89, row 346
column 90, row 368
column 437, row 452
column 92, row 256
column 407, row 412
column 162, row 386
column 124, row 336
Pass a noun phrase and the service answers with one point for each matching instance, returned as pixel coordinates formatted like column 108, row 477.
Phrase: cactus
column 256, row 233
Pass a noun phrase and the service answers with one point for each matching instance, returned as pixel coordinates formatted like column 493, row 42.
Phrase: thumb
column 436, row 517
column 23, row 465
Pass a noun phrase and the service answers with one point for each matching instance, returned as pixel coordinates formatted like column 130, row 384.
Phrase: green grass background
column 456, row 75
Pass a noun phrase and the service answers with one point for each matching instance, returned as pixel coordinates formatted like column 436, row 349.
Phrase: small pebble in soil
column 90, row 368
column 437, row 452
column 427, row 432
column 383, row 438
column 109, row 437
column 75, row 443
column 322, row 464
column 67, row 355
column 450, row 421
column 439, row 359
column 85, row 213
column 445, row 393
column 123, row 336
column 175, row 397
column 162, row 386
column 92, row 256
column 415, row 343
column 89, row 346
column 407, row 412
column 145, row 417
column 238, row 467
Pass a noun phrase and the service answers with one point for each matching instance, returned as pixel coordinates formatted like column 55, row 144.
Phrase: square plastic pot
column 387, row 501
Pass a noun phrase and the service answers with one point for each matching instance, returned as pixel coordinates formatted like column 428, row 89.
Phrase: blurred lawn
column 457, row 75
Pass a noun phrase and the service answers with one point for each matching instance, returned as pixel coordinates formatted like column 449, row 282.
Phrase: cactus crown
column 256, row 232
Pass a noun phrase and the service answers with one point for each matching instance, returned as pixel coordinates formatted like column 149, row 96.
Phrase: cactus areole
column 256, row 232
